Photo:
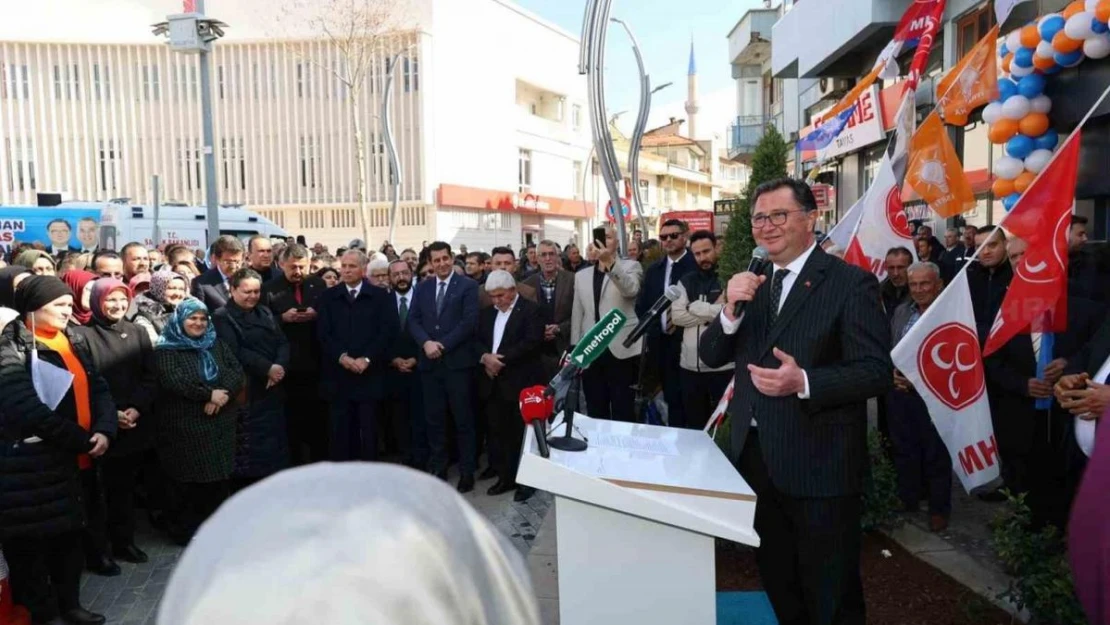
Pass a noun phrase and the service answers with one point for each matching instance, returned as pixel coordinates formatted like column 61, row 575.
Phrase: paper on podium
column 669, row 475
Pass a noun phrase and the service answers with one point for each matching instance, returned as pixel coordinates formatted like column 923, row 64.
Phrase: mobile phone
column 599, row 236
column 302, row 308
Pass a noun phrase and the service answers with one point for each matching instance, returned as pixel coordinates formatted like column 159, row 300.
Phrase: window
column 576, row 117
column 308, row 163
column 304, row 81
column 102, row 83
column 109, row 165
column 666, row 197
column 232, row 158
column 220, row 80
column 644, row 187
column 576, row 183
column 973, row 27
column 14, row 76
column 21, row 165
column 150, row 83
column 254, row 80
column 188, row 159
column 412, row 77
column 524, row 171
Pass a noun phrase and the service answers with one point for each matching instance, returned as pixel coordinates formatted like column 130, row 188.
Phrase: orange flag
column 972, row 83
column 936, row 173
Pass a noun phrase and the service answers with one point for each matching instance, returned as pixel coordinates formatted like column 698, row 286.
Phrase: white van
column 122, row 222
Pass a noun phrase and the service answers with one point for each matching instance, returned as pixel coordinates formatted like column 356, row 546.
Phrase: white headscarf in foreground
column 349, row 544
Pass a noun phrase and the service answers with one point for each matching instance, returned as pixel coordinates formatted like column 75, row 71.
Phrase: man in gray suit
column 811, row 345
column 610, row 283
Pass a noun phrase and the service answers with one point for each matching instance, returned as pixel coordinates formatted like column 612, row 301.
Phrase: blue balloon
column 1051, row 25
column 1023, row 57
column 1003, row 50
column 1020, row 146
column 1069, row 59
column 1009, row 201
column 1047, row 141
column 1099, row 27
column 1006, row 89
column 1031, row 86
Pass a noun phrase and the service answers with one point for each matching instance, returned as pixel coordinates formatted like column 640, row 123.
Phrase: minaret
column 692, row 95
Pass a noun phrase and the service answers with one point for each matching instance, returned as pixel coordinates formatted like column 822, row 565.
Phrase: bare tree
column 362, row 33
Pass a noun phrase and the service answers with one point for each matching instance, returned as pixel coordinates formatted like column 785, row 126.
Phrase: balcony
column 749, row 43
column 746, row 132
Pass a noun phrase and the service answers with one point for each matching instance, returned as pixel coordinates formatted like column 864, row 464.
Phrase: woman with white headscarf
column 349, row 544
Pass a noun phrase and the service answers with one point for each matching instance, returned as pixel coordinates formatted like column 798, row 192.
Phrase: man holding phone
column 610, row 283
column 292, row 297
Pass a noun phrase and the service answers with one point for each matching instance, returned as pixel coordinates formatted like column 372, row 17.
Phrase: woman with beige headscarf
column 349, row 544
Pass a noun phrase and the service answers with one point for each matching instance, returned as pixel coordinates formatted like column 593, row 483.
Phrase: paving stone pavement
column 132, row 598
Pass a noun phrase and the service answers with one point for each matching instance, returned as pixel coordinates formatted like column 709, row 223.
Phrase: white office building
column 488, row 109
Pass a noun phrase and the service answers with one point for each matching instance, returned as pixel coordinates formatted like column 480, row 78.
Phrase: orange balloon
column 1043, row 63
column 1073, row 8
column 1009, row 58
column 1033, row 124
column 1002, row 131
column 1002, row 187
column 1102, row 11
column 1024, row 179
column 1030, row 36
column 1063, row 43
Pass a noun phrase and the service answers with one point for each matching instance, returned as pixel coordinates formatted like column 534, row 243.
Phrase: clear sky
column 664, row 29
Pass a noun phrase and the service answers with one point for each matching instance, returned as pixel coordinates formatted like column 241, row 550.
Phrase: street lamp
column 641, row 124
column 387, row 121
column 194, row 33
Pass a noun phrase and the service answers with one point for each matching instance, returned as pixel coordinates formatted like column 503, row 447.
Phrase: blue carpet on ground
column 744, row 608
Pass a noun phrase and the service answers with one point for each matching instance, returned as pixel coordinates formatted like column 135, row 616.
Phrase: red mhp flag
column 189, row 6
column 1041, row 218
column 855, row 256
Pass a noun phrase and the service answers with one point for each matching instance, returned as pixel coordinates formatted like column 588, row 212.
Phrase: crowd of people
column 168, row 378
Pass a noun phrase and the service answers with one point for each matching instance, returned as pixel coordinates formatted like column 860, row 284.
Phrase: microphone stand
column 640, row 385
column 567, row 442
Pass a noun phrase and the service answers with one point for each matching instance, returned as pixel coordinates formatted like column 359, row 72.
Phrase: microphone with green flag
column 593, row 344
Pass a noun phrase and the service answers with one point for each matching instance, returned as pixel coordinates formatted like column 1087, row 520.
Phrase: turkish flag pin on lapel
column 807, row 284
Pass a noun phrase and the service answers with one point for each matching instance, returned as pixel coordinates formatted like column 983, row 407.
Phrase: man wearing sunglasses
column 663, row 345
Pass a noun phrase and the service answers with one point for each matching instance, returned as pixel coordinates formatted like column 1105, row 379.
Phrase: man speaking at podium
column 811, row 345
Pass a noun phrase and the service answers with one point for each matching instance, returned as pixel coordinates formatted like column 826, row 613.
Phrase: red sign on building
column 696, row 220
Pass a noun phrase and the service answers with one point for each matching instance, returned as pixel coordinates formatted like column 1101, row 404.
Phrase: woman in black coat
column 252, row 332
column 124, row 355
column 44, row 450
column 151, row 309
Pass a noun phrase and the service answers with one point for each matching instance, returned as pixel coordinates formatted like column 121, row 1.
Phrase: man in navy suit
column 403, row 399
column 664, row 345
column 211, row 286
column 357, row 327
column 443, row 321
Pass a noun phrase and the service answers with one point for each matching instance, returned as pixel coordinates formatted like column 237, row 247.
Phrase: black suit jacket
column 278, row 295
column 562, row 310
column 1089, row 359
column 833, row 324
column 1009, row 370
column 652, row 290
column 209, row 287
column 521, row 346
column 364, row 328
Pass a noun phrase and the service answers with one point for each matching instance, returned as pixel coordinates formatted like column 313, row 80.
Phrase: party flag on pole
column 935, row 171
column 972, row 83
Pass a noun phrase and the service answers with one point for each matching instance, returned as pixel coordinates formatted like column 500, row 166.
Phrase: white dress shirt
column 500, row 322
column 404, row 296
column 354, row 290
column 795, row 268
column 1084, row 429
column 667, row 282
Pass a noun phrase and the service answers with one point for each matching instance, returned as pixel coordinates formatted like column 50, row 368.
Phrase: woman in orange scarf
column 43, row 447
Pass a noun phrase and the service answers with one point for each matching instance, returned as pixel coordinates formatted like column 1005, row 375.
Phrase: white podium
column 636, row 515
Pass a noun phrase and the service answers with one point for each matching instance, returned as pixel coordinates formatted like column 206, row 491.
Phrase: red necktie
column 297, row 293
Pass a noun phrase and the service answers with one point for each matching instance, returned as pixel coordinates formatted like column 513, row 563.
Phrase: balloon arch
column 1019, row 118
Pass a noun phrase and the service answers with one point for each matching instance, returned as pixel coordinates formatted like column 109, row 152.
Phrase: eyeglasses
column 670, row 236
column 776, row 218
column 548, row 254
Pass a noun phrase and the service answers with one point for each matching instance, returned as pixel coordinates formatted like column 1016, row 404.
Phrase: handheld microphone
column 756, row 265
column 670, row 294
column 536, row 408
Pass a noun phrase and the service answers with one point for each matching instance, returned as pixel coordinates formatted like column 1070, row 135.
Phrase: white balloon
column 1037, row 160
column 1041, row 104
column 1044, row 50
column 1016, row 107
column 1097, row 47
column 1019, row 71
column 992, row 112
column 1078, row 26
column 1013, row 40
column 1091, row 4
column 1008, row 167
